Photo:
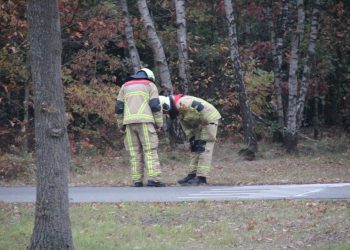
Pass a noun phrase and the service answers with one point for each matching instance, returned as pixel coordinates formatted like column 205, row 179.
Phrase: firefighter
column 139, row 115
column 199, row 120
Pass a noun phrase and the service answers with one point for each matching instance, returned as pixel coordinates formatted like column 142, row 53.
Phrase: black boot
column 155, row 184
column 198, row 180
column 138, row 184
column 186, row 179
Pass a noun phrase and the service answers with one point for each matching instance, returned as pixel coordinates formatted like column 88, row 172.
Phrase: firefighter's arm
column 188, row 130
column 119, row 109
column 194, row 114
column 198, row 109
column 156, row 108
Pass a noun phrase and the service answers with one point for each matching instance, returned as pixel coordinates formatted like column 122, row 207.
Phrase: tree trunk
column 248, row 123
column 247, row 29
column 184, row 72
column 24, row 129
column 291, row 139
column 134, row 54
column 277, row 36
column 309, row 60
column 316, row 119
column 157, row 48
column 52, row 227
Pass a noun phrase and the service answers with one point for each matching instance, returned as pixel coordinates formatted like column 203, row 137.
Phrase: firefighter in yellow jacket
column 199, row 120
column 139, row 114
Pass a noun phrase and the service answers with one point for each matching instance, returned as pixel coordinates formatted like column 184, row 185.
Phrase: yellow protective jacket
column 138, row 102
column 194, row 112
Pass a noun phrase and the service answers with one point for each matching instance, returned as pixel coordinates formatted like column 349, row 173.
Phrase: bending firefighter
column 199, row 120
column 139, row 114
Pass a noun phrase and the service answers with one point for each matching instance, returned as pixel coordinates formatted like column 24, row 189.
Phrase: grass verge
column 193, row 225
column 327, row 160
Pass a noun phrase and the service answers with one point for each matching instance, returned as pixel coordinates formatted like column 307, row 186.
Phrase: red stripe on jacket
column 144, row 82
column 177, row 98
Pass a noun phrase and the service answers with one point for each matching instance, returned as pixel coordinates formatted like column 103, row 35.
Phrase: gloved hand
column 122, row 129
column 192, row 145
column 160, row 130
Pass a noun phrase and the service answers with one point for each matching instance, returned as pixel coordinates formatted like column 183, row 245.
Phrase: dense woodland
column 97, row 58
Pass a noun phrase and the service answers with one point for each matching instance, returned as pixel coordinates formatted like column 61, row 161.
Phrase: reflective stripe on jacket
column 138, row 102
column 194, row 112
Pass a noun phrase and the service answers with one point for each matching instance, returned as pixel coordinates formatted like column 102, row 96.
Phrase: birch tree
column 277, row 36
column 52, row 227
column 157, row 48
column 248, row 123
column 308, row 63
column 291, row 137
column 134, row 54
column 181, row 28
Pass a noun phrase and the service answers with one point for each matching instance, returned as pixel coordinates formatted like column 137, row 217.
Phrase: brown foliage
column 92, row 99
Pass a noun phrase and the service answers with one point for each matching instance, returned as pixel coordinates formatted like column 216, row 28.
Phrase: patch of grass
column 16, row 169
column 345, row 246
column 328, row 160
column 193, row 225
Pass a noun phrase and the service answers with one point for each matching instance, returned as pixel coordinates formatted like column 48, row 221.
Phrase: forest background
column 95, row 62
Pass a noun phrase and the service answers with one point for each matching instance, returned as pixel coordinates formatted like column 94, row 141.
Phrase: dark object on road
column 138, row 184
column 186, row 179
column 151, row 183
column 196, row 181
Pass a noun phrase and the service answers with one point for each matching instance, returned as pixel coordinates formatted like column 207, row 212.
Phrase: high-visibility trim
column 120, row 120
column 126, row 109
column 132, row 153
column 147, row 151
column 129, row 116
column 203, row 133
column 137, row 93
column 144, row 82
column 213, row 115
column 142, row 108
column 203, row 169
column 158, row 119
column 139, row 116
column 136, row 176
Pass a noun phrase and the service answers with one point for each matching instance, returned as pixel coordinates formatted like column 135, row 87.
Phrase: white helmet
column 165, row 102
column 149, row 74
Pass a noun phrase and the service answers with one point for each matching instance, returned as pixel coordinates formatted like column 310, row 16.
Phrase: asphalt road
column 177, row 193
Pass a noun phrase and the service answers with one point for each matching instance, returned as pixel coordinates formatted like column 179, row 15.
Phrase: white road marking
column 272, row 191
column 309, row 192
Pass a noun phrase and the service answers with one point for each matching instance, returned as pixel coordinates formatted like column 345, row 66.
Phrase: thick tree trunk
column 309, row 60
column 184, row 72
column 52, row 228
column 157, row 48
column 291, row 139
column 134, row 54
column 248, row 123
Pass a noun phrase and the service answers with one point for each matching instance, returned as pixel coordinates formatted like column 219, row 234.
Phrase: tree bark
column 291, row 139
column 277, row 35
column 184, row 72
column 309, row 60
column 248, row 123
column 134, row 54
column 157, row 48
column 25, row 124
column 52, row 227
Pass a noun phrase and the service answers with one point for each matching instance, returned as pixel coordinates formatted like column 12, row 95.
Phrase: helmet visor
column 166, row 107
